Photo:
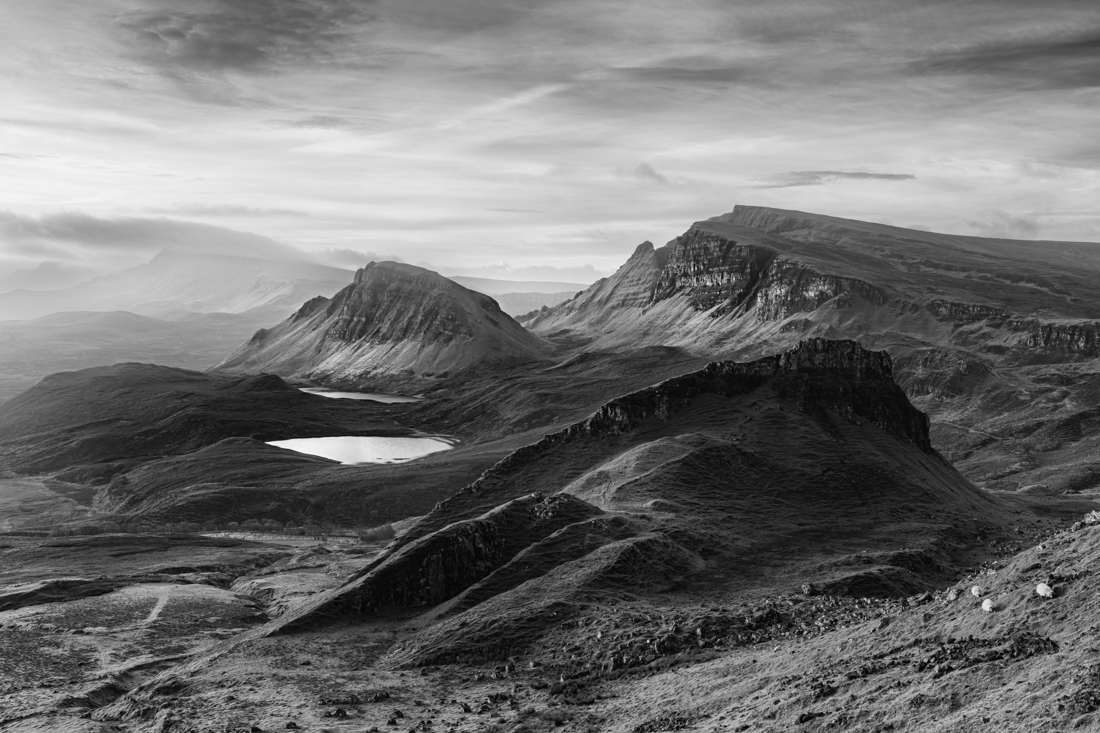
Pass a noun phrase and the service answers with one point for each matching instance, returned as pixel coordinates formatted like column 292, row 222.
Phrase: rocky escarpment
column 717, row 272
column 1077, row 339
column 394, row 321
column 817, row 375
column 839, row 375
column 438, row 566
column 965, row 312
column 719, row 275
column 385, row 304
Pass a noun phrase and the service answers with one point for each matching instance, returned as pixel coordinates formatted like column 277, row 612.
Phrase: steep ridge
column 977, row 327
column 394, row 321
column 807, row 465
column 772, row 264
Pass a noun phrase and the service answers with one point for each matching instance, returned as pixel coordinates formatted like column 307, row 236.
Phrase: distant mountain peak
column 393, row 319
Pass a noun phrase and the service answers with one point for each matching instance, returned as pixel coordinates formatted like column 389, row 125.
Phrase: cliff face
column 1078, row 339
column 965, row 312
column 712, row 271
column 818, row 373
column 386, row 304
column 393, row 319
column 723, row 277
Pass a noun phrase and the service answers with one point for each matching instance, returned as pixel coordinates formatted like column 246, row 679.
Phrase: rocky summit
column 393, row 321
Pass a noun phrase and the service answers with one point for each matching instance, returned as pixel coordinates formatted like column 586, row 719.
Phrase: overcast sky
column 550, row 134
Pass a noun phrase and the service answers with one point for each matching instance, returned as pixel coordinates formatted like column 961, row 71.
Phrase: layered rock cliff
column 393, row 319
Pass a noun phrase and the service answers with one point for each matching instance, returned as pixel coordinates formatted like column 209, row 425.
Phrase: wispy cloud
column 1063, row 60
column 76, row 238
column 227, row 210
column 241, row 35
column 352, row 258
column 1003, row 224
column 646, row 172
column 817, row 178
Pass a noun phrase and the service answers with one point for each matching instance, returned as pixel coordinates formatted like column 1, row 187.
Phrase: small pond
column 389, row 399
column 352, row 449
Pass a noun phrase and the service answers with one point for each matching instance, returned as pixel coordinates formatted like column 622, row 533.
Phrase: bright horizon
column 537, row 141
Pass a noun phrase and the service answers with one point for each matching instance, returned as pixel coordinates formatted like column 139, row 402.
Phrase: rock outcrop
column 394, row 321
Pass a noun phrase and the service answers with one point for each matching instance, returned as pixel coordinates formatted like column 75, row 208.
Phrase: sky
column 533, row 139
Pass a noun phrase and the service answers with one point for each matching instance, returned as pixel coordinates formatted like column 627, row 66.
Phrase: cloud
column 818, row 178
column 240, row 35
column 351, row 258
column 1003, row 225
column 646, row 172
column 79, row 237
column 1055, row 61
column 583, row 274
column 47, row 275
column 686, row 75
column 322, row 122
column 230, row 210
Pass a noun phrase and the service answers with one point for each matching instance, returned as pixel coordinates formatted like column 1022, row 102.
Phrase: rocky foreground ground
column 187, row 655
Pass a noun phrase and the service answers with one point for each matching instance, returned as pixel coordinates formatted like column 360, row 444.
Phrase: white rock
column 975, row 591
column 1044, row 591
column 987, row 605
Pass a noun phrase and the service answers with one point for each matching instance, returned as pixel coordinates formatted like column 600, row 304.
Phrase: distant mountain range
column 174, row 282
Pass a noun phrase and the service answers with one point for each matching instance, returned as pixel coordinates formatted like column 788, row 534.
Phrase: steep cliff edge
column 394, row 319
